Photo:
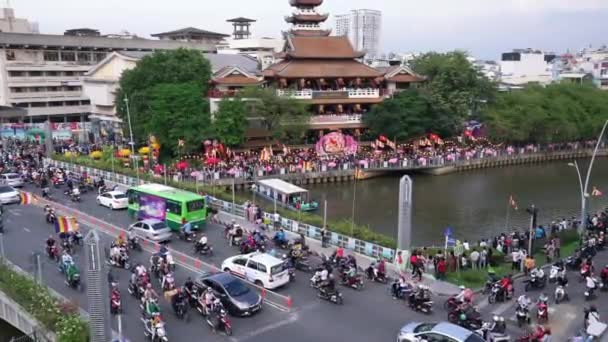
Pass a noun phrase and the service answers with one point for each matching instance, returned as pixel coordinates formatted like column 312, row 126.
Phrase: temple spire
column 306, row 20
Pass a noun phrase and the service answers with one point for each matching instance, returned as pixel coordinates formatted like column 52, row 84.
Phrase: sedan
column 113, row 200
column 152, row 229
column 9, row 195
column 11, row 179
column 443, row 331
column 234, row 294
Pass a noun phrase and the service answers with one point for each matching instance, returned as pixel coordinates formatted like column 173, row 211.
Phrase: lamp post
column 131, row 142
column 585, row 187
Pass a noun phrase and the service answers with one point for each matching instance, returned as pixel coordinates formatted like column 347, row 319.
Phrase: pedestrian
column 400, row 263
column 550, row 252
column 483, row 258
column 515, row 258
column 441, row 268
column 452, row 261
column 466, row 245
column 463, row 261
column 474, row 259
column 324, row 238
column 530, row 263
column 522, row 258
column 414, row 261
column 557, row 244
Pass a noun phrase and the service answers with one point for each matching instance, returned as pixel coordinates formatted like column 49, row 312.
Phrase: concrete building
column 101, row 82
column 43, row 74
column 8, row 23
column 522, row 66
column 363, row 29
column 192, row 35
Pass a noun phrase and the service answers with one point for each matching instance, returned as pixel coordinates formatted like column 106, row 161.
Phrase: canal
column 473, row 203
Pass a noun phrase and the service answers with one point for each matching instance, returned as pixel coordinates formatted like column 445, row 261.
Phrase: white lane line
column 16, row 213
column 27, row 230
column 291, row 319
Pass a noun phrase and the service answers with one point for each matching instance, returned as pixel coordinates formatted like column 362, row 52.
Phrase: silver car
column 152, row 229
column 11, row 179
column 9, row 195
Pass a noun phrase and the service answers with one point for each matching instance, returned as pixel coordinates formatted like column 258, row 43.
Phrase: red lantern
column 182, row 165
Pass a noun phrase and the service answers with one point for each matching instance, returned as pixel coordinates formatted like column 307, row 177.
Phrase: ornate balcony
column 309, row 94
column 336, row 119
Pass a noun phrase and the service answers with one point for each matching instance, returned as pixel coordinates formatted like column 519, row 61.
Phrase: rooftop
column 75, row 42
column 218, row 61
column 190, row 30
column 241, row 20
column 281, row 186
column 321, row 47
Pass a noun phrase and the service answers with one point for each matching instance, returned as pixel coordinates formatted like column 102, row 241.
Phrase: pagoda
column 306, row 20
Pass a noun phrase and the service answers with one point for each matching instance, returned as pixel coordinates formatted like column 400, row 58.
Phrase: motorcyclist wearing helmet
column 604, row 274
column 149, row 293
column 464, row 296
column 543, row 298
column 328, row 286
column 66, row 260
column 524, row 301
column 177, row 299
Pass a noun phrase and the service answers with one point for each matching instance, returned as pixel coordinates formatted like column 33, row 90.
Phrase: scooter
column 561, row 294
column 355, row 282
column 115, row 306
column 206, row 250
column 493, row 335
column 373, row 275
column 542, row 313
column 523, row 315
column 590, row 292
column 134, row 244
column 156, row 333
column 223, row 322
column 187, row 237
column 334, row 296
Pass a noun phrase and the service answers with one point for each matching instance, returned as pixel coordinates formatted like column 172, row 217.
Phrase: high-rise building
column 363, row 28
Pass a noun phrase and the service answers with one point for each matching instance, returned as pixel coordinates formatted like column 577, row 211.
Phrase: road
column 368, row 315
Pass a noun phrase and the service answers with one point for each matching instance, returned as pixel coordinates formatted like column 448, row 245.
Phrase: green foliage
column 285, row 118
column 408, row 115
column 223, row 193
column 145, row 84
column 455, row 86
column 61, row 318
column 556, row 113
column 230, row 121
column 179, row 112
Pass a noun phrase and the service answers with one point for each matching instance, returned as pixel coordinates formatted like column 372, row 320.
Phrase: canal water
column 473, row 203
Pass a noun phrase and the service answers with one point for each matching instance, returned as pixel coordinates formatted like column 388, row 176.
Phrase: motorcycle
column 75, row 238
column 115, row 305
column 542, row 313
column 424, row 304
column 203, row 250
column 302, row 264
column 135, row 290
column 469, row 318
column 523, row 315
column 187, row 237
column 157, row 332
column 535, row 282
column 53, row 252
column 134, row 244
column 123, row 261
column 332, row 296
column 451, row 304
column 498, row 294
column 375, row 276
column 181, row 310
column 556, row 273
column 493, row 334
column 590, row 291
column 75, row 282
column 355, row 282
column 51, row 217
column 222, row 322
column 560, row 294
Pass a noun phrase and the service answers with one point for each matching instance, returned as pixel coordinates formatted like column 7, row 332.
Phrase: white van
column 259, row 268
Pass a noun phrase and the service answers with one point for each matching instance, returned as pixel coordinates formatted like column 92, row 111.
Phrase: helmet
column 462, row 287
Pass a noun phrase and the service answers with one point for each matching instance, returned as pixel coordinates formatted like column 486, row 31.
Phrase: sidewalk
column 438, row 287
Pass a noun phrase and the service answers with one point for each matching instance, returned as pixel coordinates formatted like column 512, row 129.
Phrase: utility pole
column 98, row 310
column 132, row 142
column 533, row 211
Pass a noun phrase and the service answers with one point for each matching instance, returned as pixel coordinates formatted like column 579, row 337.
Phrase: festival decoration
column 182, row 165
column 124, row 153
column 96, row 155
column 144, row 150
column 336, row 143
column 70, row 154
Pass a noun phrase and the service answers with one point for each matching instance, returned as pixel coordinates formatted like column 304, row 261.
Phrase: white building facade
column 8, row 23
column 363, row 27
column 522, row 66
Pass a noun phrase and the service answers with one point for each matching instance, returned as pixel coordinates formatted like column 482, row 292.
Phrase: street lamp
column 585, row 187
column 132, row 143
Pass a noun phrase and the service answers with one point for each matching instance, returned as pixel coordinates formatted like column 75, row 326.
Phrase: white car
column 9, row 195
column 11, row 179
column 113, row 200
column 261, row 269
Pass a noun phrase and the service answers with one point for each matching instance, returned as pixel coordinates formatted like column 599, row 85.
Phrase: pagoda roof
column 241, row 20
column 190, row 30
column 235, row 75
column 310, row 33
column 305, row 2
column 316, row 18
column 310, row 68
column 402, row 74
column 299, row 47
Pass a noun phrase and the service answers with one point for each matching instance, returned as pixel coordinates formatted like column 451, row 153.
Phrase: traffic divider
column 272, row 298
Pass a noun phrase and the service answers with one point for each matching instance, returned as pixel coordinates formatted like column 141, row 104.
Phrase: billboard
column 151, row 207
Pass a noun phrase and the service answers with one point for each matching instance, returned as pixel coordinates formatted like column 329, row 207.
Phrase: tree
column 181, row 66
column 556, row 113
column 454, row 84
column 283, row 117
column 178, row 112
column 408, row 115
column 230, row 121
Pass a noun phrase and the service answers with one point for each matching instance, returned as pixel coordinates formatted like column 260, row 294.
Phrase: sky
column 484, row 28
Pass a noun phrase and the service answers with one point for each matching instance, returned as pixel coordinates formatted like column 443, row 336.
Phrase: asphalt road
column 368, row 315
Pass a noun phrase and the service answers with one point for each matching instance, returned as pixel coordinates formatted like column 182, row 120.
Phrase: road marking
column 291, row 319
column 27, row 230
column 16, row 213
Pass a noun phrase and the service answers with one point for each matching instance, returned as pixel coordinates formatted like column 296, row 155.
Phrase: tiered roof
column 306, row 20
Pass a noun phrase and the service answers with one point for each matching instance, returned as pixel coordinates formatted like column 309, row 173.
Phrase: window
column 10, row 55
column 137, row 225
column 474, row 338
column 99, row 57
column 133, row 197
column 174, row 207
column 35, row 73
column 85, row 102
column 235, row 288
column 52, row 73
column 68, row 56
column 433, row 337
column 16, row 73
column 159, row 226
column 253, row 265
column 240, row 262
column 196, row 205
column 277, row 268
column 120, row 196
column 68, row 73
column 262, row 268
column 51, row 56
column 84, row 57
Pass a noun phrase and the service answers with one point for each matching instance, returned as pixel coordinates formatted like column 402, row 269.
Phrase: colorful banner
column 37, row 130
column 151, row 207
column 66, row 224
column 336, row 143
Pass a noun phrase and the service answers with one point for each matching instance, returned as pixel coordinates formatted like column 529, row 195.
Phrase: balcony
column 50, row 95
column 341, row 119
column 60, row 110
column 309, row 94
column 220, row 94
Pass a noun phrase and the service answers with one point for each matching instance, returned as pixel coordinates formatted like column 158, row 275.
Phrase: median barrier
column 272, row 298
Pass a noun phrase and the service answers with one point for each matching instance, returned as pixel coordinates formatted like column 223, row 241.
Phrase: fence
column 279, row 301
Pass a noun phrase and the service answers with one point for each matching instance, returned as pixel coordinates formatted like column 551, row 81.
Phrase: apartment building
column 363, row 29
column 43, row 74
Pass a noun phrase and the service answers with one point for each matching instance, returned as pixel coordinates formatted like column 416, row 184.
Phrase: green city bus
column 174, row 205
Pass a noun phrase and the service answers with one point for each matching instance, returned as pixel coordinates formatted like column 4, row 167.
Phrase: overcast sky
column 483, row 27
